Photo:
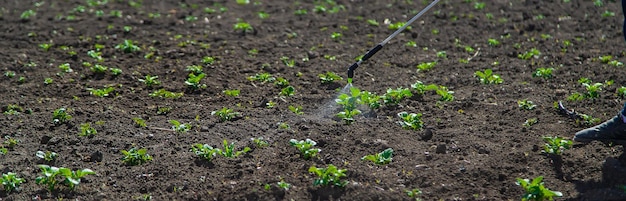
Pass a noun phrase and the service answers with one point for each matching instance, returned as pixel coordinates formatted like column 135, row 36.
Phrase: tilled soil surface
column 472, row 148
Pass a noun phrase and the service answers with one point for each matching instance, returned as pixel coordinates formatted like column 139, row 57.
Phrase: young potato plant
column 587, row 120
column 135, row 156
column 555, row 145
column 263, row 78
column 487, row 77
column 593, row 90
column 166, row 94
column 195, row 69
column 535, row 190
column 370, row 99
column 232, row 92
column 193, row 81
column 381, row 158
column 260, row 142
column 60, row 116
column 532, row 53
column 305, row 147
column 86, row 130
column 525, row 104
column 296, row 110
column 48, row 156
column 329, row 77
column 128, row 46
column 545, row 73
column 329, row 176
column 10, row 142
column 13, row 109
column 349, row 104
column 150, row 81
column 101, row 92
column 229, row 150
column 243, row 26
column 205, row 151
column 414, row 193
column 426, row 66
column 226, row 114
column 180, row 127
column 287, row 91
column 621, row 92
column 411, row 121
column 10, row 182
column 393, row 97
column 67, row 177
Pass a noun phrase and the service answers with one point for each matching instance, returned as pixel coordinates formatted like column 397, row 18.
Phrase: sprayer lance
column 373, row 51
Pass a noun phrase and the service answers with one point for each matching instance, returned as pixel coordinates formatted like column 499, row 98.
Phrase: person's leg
column 612, row 130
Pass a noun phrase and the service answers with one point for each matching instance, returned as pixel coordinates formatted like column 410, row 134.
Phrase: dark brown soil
column 478, row 146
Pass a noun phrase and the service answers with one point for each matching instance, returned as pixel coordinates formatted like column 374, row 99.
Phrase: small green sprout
column 300, row 12
column 288, row 62
column 442, row 54
column 587, row 120
column 411, row 44
column 444, row 93
column 139, row 122
column 370, row 99
column 193, row 81
column 329, row 77
column 426, row 66
column 336, row 35
column 86, row 130
column 394, row 96
column 26, row 15
column 598, row 3
column 150, row 81
column 99, row 69
column 69, row 178
column 225, row 114
column 281, row 82
column 287, row 91
column 270, row 104
column 414, row 193
column 180, row 127
column 232, row 92
column 283, row 185
column 296, row 109
column 349, row 103
column 330, row 175
column 10, row 142
column 530, row 122
column 525, row 104
column 207, row 60
column 11, row 182
column 205, row 151
column 487, row 77
column 13, row 109
column 48, row 81
column 47, row 156
column 9, row 74
column 372, row 22
column 493, row 42
column 263, row 77
column 115, row 71
column 479, row 5
column 555, row 145
column 608, row 14
column 45, row 46
column 101, row 92
column 545, row 73
column 621, row 92
column 381, row 158
column 60, row 116
column 535, row 190
column 593, row 90
column 166, row 94
column 128, row 46
column 3, row 150
column 194, row 69
column 532, row 53
column 229, row 150
column 396, row 26
column 260, row 142
column 242, row 26
column 135, row 156
column 411, row 121
column 616, row 63
column 263, row 15
column 305, row 147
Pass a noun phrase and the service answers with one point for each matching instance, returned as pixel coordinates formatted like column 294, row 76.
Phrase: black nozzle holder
column 367, row 55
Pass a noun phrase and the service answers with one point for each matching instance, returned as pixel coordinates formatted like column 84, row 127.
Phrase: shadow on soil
column 613, row 183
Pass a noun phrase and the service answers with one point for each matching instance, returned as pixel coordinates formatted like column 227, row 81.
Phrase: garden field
column 215, row 100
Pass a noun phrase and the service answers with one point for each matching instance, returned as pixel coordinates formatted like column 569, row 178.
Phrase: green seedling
column 139, row 122
column 45, row 46
column 608, row 14
column 195, row 69
column 487, row 77
column 166, row 94
column 621, row 92
column 60, row 116
column 26, row 15
column 229, row 150
column 9, row 74
column 225, row 114
column 329, row 77
column 329, row 176
column 207, row 60
column 86, row 130
column 545, row 73
column 3, row 150
column 101, row 92
column 270, row 104
column 13, row 109
column 10, row 142
column 65, row 68
column 305, row 147
column 587, row 120
column 296, row 109
column 242, row 26
column 47, row 156
column 288, row 62
column 372, row 22
column 205, row 151
column 493, row 42
column 411, row 121
column 381, row 158
column 555, row 145
column 263, row 77
column 349, row 104
column 300, row 12
column 616, row 63
column 393, row 97
column 150, row 81
column 525, row 104
column 532, row 53
column 336, row 35
column 193, row 81
column 115, row 71
column 397, row 25
column 99, row 69
column 426, row 66
column 411, row 44
column 47, row 81
column 479, row 5
column 232, row 92
column 128, row 46
column 530, row 122
column 11, row 182
column 535, row 190
column 414, row 193
column 593, row 90
column 370, row 99
column 260, row 142
column 135, row 156
column 287, row 91
column 283, row 185
column 281, row 82
column 180, row 127
column 263, row 15
column 68, row 177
